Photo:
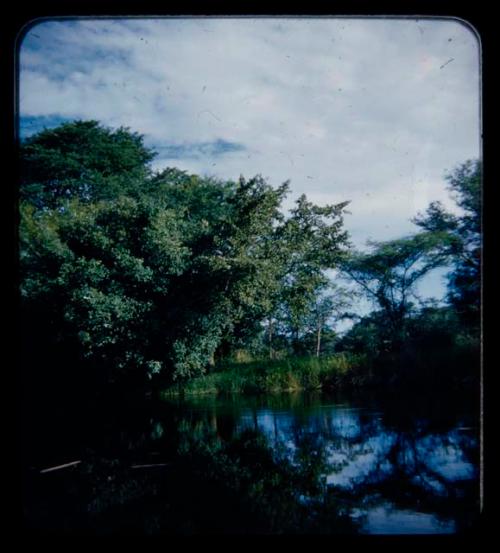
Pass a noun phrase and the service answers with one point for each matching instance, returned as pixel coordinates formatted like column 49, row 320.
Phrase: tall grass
column 283, row 375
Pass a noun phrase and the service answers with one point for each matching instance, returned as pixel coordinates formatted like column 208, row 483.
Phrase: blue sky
column 375, row 111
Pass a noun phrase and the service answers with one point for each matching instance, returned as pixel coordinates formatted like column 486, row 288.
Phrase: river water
column 385, row 463
column 404, row 466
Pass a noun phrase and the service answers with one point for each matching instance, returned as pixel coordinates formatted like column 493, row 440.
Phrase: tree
column 149, row 283
column 153, row 278
column 389, row 273
column 81, row 159
column 313, row 240
column 366, row 336
column 463, row 246
column 299, row 248
column 324, row 308
column 233, row 275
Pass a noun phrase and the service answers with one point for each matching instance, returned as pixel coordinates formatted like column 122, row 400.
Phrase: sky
column 371, row 110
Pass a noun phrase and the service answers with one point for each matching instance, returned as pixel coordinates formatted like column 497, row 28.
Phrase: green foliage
column 437, row 349
column 389, row 272
column 424, row 336
column 367, row 336
column 136, row 275
column 315, row 241
column 463, row 246
column 81, row 160
column 286, row 375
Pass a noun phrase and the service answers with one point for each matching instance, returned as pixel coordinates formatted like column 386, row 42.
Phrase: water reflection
column 292, row 463
column 402, row 467
column 386, row 519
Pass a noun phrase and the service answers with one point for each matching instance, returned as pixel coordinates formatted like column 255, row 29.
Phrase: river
column 365, row 463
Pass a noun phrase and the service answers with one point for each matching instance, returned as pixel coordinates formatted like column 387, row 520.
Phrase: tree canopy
column 388, row 274
column 81, row 160
column 464, row 238
column 133, row 274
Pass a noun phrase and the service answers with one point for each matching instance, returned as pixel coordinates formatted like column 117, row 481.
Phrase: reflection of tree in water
column 245, row 466
column 413, row 454
column 406, row 473
column 415, row 464
column 178, row 471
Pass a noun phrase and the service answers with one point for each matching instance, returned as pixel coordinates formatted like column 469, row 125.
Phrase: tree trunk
column 270, row 338
column 318, row 341
column 295, row 344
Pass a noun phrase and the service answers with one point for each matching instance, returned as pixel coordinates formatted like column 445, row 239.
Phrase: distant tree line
column 388, row 274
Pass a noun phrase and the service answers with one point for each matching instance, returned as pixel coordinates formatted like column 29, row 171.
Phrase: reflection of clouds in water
column 352, row 458
column 385, row 519
column 345, row 423
column 277, row 428
column 381, row 464
column 441, row 455
column 359, row 460
column 428, row 482
column 267, row 421
column 445, row 456
column 342, row 422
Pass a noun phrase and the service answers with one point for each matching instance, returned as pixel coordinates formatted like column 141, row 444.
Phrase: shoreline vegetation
column 277, row 375
column 440, row 367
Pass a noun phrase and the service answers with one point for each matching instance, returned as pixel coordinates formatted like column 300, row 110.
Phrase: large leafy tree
column 232, row 277
column 145, row 283
column 129, row 274
column 313, row 240
column 463, row 230
column 82, row 160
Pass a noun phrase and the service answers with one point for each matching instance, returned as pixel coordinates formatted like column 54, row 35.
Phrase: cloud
column 367, row 110
column 197, row 150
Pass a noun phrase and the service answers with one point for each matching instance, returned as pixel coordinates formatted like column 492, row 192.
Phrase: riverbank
column 455, row 366
column 279, row 375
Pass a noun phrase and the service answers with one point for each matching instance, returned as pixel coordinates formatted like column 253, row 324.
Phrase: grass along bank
column 280, row 375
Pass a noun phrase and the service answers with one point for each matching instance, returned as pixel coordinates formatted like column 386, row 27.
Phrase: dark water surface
column 368, row 463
